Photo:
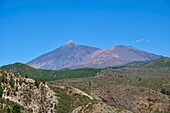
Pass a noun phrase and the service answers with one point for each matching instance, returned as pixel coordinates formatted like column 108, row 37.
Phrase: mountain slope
column 65, row 56
column 73, row 56
column 114, row 56
column 162, row 62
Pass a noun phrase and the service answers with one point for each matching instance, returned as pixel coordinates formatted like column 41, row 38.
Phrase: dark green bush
column 37, row 83
column 12, row 82
column 8, row 110
column 3, row 79
column 149, row 99
column 16, row 109
column 164, row 91
column 1, row 92
column 16, row 88
column 48, row 75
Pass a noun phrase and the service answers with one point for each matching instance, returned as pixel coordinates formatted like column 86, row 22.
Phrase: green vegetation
column 16, row 109
column 106, row 82
column 11, row 107
column 3, row 79
column 162, row 62
column 37, row 83
column 68, row 102
column 8, row 110
column 12, row 82
column 135, row 64
column 125, row 91
column 49, row 75
column 164, row 91
column 1, row 92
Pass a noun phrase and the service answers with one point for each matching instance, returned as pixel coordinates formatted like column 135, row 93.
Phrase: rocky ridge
column 34, row 96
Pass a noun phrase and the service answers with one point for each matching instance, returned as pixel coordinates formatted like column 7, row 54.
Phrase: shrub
column 8, row 110
column 164, row 91
column 37, row 83
column 149, row 99
column 16, row 88
column 8, row 93
column 43, row 81
column 4, row 79
column 16, row 109
column 20, row 82
column 26, row 76
column 1, row 92
column 12, row 82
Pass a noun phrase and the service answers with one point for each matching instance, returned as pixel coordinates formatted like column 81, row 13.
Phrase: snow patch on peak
column 70, row 42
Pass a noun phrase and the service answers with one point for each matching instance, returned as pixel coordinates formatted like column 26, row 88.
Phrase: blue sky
column 29, row 28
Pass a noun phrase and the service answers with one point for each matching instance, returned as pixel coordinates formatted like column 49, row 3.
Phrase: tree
column 163, row 91
column 37, row 83
column 1, row 92
column 8, row 110
column 12, row 82
column 26, row 76
column 4, row 79
column 16, row 109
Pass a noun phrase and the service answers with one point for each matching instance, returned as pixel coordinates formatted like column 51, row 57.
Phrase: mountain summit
column 71, row 42
column 72, row 55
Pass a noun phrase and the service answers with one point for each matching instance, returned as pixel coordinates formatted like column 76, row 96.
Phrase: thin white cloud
column 141, row 40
